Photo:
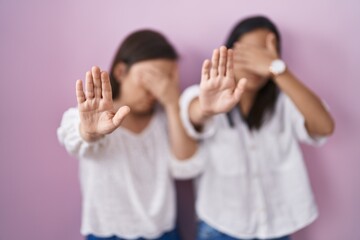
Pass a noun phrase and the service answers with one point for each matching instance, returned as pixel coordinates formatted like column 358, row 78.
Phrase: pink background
column 46, row 45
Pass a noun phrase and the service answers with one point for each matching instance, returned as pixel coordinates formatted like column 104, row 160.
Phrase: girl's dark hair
column 140, row 46
column 266, row 98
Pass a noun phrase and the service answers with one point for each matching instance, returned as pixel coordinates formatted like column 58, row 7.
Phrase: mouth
column 143, row 113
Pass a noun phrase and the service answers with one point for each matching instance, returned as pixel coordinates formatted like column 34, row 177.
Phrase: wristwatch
column 277, row 67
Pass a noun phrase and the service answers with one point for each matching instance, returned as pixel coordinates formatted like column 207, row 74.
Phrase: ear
column 120, row 71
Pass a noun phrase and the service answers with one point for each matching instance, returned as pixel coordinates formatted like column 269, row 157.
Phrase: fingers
column 97, row 85
column 80, row 95
column 230, row 63
column 242, row 51
column 89, row 84
column 97, row 81
column 155, row 84
column 106, row 91
column 175, row 75
column 218, row 64
column 205, row 70
column 214, row 63
column 222, row 61
column 271, row 43
column 120, row 115
column 241, row 56
column 145, row 80
column 240, row 87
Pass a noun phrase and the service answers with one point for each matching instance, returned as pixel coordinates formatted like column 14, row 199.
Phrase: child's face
column 133, row 90
column 256, row 38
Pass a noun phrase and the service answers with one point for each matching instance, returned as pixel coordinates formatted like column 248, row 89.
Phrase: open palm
column 219, row 91
column 98, row 116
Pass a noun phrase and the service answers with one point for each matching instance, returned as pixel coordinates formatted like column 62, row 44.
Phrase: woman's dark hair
column 140, row 46
column 266, row 98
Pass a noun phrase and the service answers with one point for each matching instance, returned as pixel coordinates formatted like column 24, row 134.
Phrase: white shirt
column 127, row 178
column 254, row 184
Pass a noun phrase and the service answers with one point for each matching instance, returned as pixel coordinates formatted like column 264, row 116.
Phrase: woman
column 254, row 184
column 127, row 134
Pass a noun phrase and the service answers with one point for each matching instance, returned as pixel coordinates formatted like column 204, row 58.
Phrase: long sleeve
column 191, row 167
column 69, row 136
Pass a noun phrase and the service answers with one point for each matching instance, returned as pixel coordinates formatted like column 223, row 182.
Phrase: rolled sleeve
column 298, row 121
column 188, row 168
column 69, row 135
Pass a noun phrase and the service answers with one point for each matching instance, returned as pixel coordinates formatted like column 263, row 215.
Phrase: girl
column 255, row 184
column 127, row 134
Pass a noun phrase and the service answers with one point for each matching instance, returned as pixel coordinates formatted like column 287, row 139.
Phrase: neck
column 247, row 101
column 134, row 121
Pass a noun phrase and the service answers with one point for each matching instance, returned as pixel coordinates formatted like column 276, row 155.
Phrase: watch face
column 277, row 67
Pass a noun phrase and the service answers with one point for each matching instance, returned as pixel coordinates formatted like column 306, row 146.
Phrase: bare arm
column 182, row 145
column 166, row 91
column 318, row 120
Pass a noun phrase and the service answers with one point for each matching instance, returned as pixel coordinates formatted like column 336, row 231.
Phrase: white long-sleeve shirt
column 126, row 178
column 254, row 183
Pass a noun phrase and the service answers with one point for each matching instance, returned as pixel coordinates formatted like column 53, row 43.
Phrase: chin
column 143, row 110
column 254, row 84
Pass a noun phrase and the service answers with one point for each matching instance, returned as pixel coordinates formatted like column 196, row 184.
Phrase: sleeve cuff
column 305, row 137
column 299, row 126
column 188, row 168
column 186, row 98
column 69, row 135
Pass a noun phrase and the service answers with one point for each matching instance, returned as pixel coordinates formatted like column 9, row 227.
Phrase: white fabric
column 127, row 178
column 254, row 183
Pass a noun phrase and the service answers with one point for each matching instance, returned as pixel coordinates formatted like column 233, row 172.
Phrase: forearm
column 318, row 120
column 182, row 146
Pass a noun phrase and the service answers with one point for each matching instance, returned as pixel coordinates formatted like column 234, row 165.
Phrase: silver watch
column 277, row 67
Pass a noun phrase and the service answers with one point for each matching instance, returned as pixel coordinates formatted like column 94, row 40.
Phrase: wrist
column 200, row 114
column 277, row 67
column 204, row 114
column 171, row 107
column 285, row 75
column 89, row 136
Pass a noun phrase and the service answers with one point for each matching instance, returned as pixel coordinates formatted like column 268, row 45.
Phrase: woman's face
column 134, row 92
column 256, row 38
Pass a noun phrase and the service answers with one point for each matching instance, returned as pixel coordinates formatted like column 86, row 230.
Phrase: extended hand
column 97, row 114
column 219, row 90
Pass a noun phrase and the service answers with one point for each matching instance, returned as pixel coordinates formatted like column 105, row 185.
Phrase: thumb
column 240, row 87
column 271, row 43
column 120, row 115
